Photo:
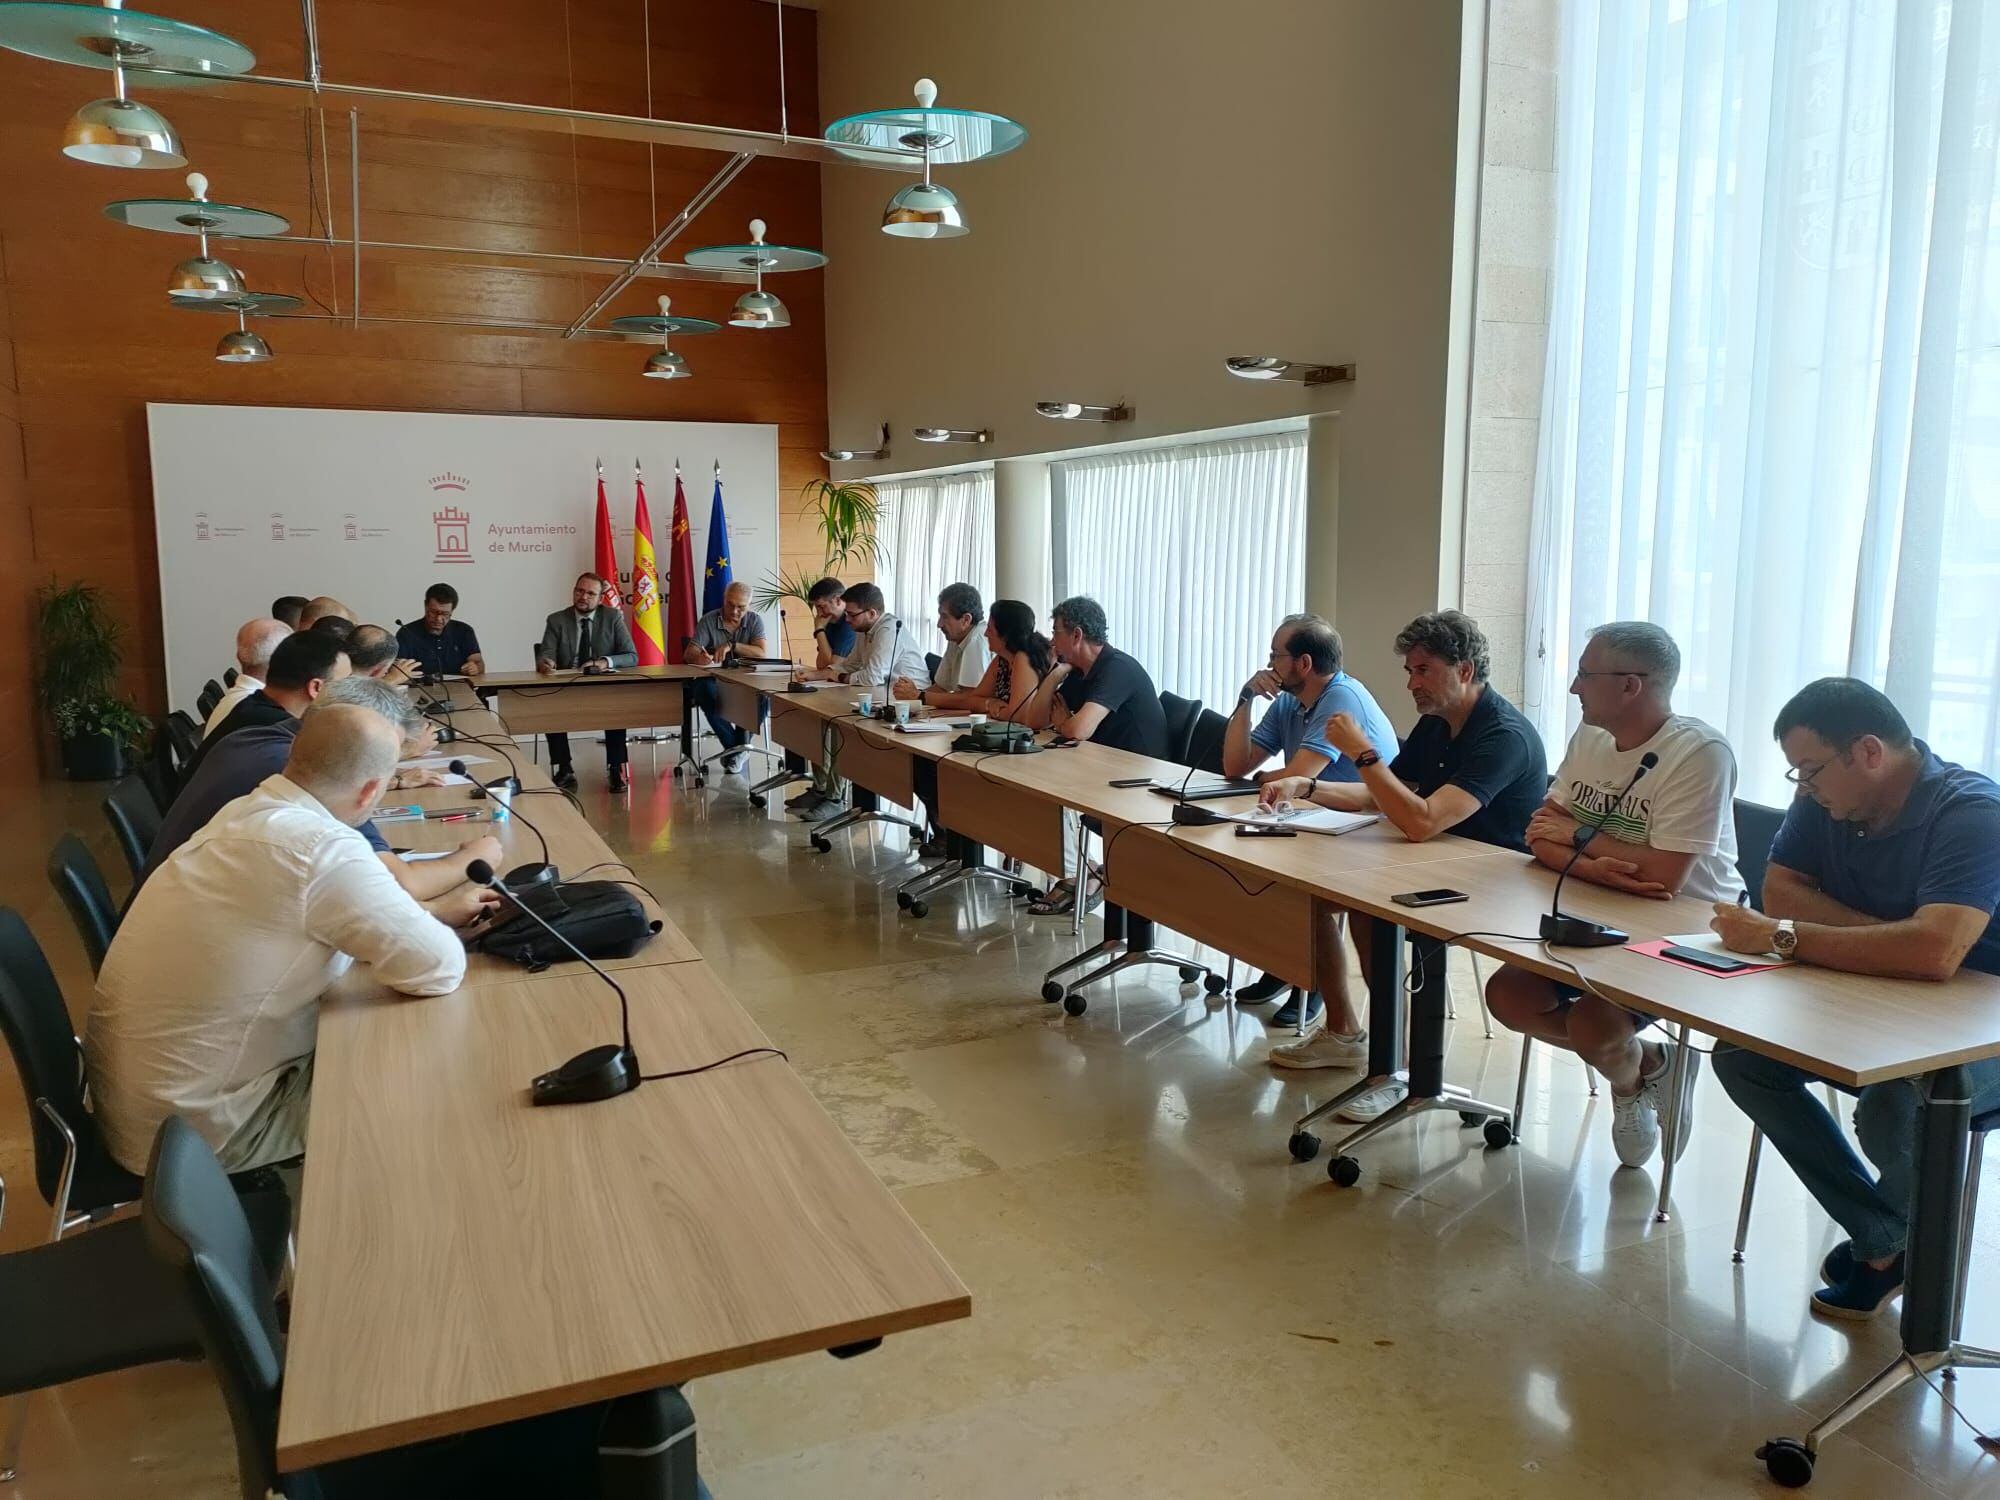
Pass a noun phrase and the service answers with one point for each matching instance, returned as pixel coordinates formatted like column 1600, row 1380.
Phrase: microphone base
column 1193, row 815
column 507, row 784
column 800, row 689
column 1575, row 932
column 601, row 1073
column 527, row 877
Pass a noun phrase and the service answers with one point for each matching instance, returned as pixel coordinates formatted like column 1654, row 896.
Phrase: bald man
column 208, row 1003
column 372, row 652
column 721, row 635
column 255, row 641
column 322, row 607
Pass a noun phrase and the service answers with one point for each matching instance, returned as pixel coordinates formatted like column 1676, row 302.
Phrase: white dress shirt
column 884, row 652
column 963, row 663
column 209, row 997
column 240, row 689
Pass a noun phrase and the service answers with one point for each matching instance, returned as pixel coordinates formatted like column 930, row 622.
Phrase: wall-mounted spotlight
column 856, row 455
column 952, row 434
column 1078, row 411
column 1270, row 367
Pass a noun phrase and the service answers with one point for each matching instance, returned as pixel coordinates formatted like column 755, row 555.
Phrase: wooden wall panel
column 87, row 338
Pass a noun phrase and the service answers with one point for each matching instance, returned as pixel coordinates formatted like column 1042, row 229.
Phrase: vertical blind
column 934, row 531
column 1195, row 552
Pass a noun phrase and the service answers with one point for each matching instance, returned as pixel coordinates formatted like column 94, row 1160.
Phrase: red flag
column 645, row 583
column 682, row 580
column 607, row 555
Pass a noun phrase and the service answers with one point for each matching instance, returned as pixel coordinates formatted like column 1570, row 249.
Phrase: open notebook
column 1305, row 819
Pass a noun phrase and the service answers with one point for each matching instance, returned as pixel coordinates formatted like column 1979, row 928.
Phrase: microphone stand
column 541, row 874
column 1580, row 932
column 601, row 1072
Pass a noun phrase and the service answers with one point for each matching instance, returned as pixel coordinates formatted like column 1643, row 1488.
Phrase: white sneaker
column 1653, row 1086
column 1635, row 1128
column 1374, row 1103
column 1323, row 1050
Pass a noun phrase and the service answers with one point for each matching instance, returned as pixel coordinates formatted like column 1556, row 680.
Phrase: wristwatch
column 1243, row 698
column 1366, row 759
column 1785, row 941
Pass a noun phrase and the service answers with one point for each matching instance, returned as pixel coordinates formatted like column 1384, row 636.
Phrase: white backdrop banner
column 372, row 507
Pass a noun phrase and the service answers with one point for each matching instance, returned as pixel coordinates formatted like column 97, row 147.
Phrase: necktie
column 582, row 639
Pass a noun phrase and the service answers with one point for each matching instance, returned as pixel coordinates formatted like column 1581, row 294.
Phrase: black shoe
column 1288, row 1013
column 619, row 780
column 564, row 777
column 1262, row 992
column 1839, row 1264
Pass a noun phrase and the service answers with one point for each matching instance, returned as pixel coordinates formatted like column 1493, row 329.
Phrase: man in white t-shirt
column 1672, row 830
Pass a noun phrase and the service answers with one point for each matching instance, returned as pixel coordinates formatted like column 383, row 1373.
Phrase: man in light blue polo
column 1888, row 863
column 1306, row 685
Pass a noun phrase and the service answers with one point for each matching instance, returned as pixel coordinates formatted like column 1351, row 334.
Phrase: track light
column 855, row 455
column 952, row 434
column 1077, row 411
column 1270, row 367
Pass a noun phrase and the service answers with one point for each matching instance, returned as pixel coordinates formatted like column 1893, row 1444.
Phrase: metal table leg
column 1386, row 1007
column 1670, row 1142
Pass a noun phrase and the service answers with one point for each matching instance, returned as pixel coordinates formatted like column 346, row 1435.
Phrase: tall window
column 1195, row 552
column 1771, row 411
column 934, row 531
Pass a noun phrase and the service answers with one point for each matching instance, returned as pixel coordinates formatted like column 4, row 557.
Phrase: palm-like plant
column 846, row 513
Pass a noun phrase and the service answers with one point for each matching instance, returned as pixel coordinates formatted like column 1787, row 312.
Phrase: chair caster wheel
column 677, row 773
column 1022, row 888
column 920, row 908
column 757, row 799
column 1788, row 1461
column 903, row 900
column 1344, row 1170
column 701, row 781
column 1467, row 1119
column 1189, row 975
column 1499, row 1134
column 1215, row 984
column 1053, row 992
column 822, row 845
column 1075, row 1005
column 1303, row 1145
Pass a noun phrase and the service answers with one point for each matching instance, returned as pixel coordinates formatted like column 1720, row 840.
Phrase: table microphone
column 1192, row 813
column 541, row 874
column 1580, row 932
column 792, row 685
column 602, row 1072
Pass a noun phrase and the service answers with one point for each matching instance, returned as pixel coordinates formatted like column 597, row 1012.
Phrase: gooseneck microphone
column 792, row 684
column 1580, row 932
column 601, row 1072
column 541, row 874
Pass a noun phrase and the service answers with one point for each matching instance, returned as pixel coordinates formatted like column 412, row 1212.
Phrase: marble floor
column 1163, row 1303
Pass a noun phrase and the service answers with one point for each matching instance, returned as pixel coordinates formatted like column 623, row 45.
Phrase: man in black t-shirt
column 1472, row 766
column 440, row 645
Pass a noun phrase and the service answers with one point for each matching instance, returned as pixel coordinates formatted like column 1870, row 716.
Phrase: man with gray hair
column 1671, row 830
column 208, row 1003
column 255, row 641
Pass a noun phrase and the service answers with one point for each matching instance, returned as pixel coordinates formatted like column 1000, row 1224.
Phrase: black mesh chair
column 184, row 740
column 134, row 816
column 932, row 661
column 195, row 1227
column 74, row 873
column 229, row 677
column 1205, row 750
column 1182, row 715
column 211, row 694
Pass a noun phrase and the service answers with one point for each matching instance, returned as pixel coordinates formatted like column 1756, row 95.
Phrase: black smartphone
column 1442, row 896
column 1264, row 831
column 1714, row 962
column 1131, row 781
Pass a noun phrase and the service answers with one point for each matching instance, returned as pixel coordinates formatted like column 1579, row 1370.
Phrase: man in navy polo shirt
column 1888, row 863
column 440, row 645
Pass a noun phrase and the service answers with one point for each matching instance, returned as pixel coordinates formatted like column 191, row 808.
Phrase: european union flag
column 715, row 577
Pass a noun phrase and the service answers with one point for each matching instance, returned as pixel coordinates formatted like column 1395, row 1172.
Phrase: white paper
column 1305, row 819
column 417, row 859
column 439, row 762
column 452, row 778
column 926, row 727
column 1708, row 942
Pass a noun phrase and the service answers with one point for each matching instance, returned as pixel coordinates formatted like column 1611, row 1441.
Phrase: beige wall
column 1200, row 179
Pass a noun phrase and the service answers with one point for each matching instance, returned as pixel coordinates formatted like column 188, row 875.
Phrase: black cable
column 685, row 1072
column 576, row 675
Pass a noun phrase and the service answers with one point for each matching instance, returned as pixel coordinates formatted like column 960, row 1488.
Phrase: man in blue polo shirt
column 1472, row 766
column 1888, row 863
column 1307, row 687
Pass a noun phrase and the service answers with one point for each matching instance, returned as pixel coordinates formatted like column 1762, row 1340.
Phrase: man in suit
column 586, row 638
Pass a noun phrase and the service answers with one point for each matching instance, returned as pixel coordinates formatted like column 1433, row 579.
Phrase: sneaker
column 804, row 799
column 824, row 811
column 1323, row 1050
column 1373, row 1104
column 1839, row 1264
column 1863, row 1293
column 732, row 765
column 1288, row 1013
column 1262, row 992
column 933, row 848
column 1635, row 1128
column 1653, row 1087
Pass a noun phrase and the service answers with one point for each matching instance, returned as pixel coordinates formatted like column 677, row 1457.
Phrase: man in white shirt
column 1671, row 830
column 255, row 641
column 961, row 614
column 883, row 651
column 208, row 1003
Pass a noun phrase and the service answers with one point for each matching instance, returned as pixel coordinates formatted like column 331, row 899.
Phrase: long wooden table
column 630, row 698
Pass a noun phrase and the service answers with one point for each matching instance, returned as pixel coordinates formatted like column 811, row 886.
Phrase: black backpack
column 602, row 917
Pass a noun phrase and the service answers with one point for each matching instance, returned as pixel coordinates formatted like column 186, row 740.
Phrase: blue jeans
column 1875, row 1211
column 709, row 700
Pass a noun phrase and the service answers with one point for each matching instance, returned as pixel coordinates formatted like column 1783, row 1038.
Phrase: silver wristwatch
column 1785, row 941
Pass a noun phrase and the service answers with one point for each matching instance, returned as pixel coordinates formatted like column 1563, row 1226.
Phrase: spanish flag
column 646, row 637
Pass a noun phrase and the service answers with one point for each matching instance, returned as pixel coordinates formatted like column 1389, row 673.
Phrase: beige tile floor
column 1163, row 1303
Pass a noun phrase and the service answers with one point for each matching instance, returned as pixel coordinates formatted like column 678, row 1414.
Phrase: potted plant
column 76, row 672
column 846, row 513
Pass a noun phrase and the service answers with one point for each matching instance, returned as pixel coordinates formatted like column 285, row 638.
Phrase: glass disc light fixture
column 854, row 455
column 952, row 434
column 926, row 210
column 1270, row 367
column 757, row 308
column 202, row 278
column 666, row 364
column 1078, row 411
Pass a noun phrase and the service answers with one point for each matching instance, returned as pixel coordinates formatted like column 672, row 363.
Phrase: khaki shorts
column 276, row 1132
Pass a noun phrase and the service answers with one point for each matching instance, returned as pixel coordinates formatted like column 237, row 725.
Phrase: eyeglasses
column 1284, row 656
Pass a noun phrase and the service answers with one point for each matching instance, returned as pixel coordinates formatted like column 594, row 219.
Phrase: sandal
column 1059, row 900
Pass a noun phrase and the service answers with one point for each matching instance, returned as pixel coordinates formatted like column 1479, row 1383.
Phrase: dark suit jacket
column 610, row 637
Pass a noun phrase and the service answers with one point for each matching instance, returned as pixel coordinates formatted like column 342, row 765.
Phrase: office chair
column 205, row 701
column 134, row 817
column 75, row 875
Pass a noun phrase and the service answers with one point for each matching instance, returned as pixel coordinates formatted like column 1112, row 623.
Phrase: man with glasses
column 883, row 651
column 1888, row 862
column 1671, row 830
column 1307, row 687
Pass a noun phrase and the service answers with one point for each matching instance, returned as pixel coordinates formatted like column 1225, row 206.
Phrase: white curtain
column 1195, row 552
column 934, row 531
column 1771, row 411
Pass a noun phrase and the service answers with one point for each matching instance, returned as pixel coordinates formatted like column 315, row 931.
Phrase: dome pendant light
column 242, row 347
column 759, row 308
column 925, row 211
column 202, row 278
column 666, row 365
column 116, row 132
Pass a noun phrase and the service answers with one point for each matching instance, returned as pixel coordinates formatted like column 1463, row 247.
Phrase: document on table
column 1306, row 819
column 928, row 726
column 439, row 762
column 1709, row 943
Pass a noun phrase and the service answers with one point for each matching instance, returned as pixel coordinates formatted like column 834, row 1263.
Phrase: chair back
column 1756, row 830
column 205, row 701
column 932, row 661
column 196, row 1227
column 1182, row 715
column 229, row 676
column 134, row 817
column 46, row 1057
column 184, row 735
column 74, row 873
column 1210, row 730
